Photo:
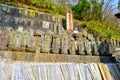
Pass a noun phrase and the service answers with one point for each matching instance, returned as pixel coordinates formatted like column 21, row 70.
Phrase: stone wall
column 31, row 31
column 15, row 17
column 45, row 57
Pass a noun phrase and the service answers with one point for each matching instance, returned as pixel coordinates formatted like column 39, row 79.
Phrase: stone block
column 51, row 27
column 55, row 28
column 82, row 59
column 16, row 55
column 46, row 24
column 31, row 49
column 12, row 21
column 6, row 55
column 31, row 56
column 37, row 57
column 13, row 11
column 50, row 58
column 31, row 13
column 41, row 16
column 21, row 21
column 49, row 18
column 42, row 57
column 21, row 12
column 72, row 58
column 61, row 58
column 53, row 18
column 40, row 25
column 4, row 8
column 26, row 13
column 17, row 12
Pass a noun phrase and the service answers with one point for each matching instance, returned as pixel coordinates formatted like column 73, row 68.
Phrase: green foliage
column 108, row 29
column 48, row 5
column 41, row 5
column 87, row 10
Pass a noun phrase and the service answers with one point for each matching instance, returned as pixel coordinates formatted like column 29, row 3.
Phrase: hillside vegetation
column 88, row 13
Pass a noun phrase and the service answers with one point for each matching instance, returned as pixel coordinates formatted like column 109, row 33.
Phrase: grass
column 103, row 29
column 47, row 7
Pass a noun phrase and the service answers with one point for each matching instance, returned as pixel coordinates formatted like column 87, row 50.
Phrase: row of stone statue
column 49, row 42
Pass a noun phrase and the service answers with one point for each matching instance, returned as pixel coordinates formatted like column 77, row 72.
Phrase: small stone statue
column 46, row 44
column 56, row 44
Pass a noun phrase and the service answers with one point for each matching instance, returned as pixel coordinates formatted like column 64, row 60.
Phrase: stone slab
column 48, row 57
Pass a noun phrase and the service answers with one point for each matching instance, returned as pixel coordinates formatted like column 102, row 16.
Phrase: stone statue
column 31, row 45
column 81, row 46
column 17, row 40
column 4, row 38
column 64, row 43
column 25, row 38
column 56, row 44
column 46, row 44
column 93, row 44
column 72, row 48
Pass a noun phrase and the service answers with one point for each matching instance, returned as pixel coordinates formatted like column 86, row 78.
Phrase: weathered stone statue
column 93, row 44
column 25, row 38
column 56, row 43
column 101, row 48
column 72, row 47
column 64, row 43
column 38, row 35
column 4, row 38
column 17, row 38
column 88, row 47
column 81, row 46
column 31, row 45
column 46, row 44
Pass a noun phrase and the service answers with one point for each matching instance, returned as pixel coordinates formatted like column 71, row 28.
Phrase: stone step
column 50, row 57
